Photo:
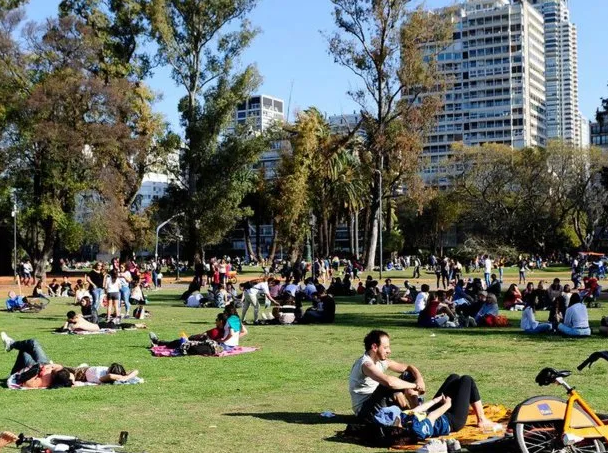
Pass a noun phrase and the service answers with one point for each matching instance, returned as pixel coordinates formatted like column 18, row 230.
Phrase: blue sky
column 292, row 49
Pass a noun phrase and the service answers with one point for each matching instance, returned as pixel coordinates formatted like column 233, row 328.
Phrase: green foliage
column 67, row 131
column 531, row 198
column 193, row 39
column 391, row 50
column 119, row 25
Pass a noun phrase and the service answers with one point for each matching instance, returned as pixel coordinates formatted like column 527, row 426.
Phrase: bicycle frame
column 600, row 430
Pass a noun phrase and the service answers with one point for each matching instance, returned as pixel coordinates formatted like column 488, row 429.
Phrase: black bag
column 374, row 435
column 205, row 347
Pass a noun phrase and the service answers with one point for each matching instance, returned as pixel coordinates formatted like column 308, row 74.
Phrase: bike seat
column 548, row 376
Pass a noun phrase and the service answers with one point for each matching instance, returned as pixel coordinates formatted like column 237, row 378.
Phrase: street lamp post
column 179, row 237
column 158, row 228
column 14, row 215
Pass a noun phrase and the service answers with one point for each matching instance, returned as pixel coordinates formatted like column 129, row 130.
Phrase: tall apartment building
column 260, row 112
column 497, row 65
column 561, row 71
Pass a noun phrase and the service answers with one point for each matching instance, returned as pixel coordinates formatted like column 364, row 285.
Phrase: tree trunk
column 6, row 251
column 366, row 229
column 372, row 236
column 351, row 238
column 356, row 234
column 390, row 209
column 293, row 254
column 334, row 231
column 57, row 252
column 326, row 239
column 248, row 245
column 258, row 238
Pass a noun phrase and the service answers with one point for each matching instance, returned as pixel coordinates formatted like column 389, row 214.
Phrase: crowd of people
column 305, row 294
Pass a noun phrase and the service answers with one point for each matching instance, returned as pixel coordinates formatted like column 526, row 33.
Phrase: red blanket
column 163, row 351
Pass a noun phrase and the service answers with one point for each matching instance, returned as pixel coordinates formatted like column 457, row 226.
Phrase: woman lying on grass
column 33, row 369
column 446, row 413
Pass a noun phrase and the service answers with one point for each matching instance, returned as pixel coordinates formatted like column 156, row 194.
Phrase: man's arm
column 416, row 374
column 386, row 380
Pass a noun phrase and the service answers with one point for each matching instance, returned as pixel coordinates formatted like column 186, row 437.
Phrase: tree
column 192, row 39
column 526, row 198
column 118, row 28
column 391, row 50
column 60, row 126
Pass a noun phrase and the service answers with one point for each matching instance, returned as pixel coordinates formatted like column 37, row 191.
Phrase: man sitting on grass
column 372, row 389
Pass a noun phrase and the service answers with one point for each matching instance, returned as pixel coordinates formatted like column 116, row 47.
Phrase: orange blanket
column 471, row 433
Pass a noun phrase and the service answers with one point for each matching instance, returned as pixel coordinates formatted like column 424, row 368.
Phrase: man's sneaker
column 153, row 337
column 8, row 341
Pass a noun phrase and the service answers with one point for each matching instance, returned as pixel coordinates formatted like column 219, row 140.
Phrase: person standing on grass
column 487, row 269
column 371, row 388
column 112, row 286
column 124, row 277
column 95, row 279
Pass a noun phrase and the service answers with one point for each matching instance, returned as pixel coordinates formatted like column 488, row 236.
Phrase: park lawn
column 270, row 400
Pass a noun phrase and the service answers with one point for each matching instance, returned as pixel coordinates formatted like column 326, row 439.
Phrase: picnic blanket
column 469, row 434
column 163, row 351
column 82, row 332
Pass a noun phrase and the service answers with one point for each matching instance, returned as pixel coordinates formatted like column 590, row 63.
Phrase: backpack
column 205, row 347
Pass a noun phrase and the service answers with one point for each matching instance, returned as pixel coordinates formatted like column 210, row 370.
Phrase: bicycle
column 58, row 443
column 544, row 424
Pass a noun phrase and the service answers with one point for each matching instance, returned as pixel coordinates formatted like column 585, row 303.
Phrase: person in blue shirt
column 490, row 307
column 14, row 302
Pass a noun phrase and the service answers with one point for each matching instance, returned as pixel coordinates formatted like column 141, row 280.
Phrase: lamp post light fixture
column 158, row 228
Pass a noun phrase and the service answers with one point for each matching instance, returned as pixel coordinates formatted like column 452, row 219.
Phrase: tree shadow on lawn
column 299, row 418
column 41, row 318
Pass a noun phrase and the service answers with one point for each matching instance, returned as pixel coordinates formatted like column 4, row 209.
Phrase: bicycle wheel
column 545, row 437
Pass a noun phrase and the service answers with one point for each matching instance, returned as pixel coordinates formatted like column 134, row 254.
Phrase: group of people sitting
column 466, row 305
column 567, row 311
column 285, row 300
column 389, row 293
column 227, row 331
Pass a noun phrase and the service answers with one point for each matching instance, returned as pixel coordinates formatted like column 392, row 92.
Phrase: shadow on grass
column 298, row 418
column 41, row 318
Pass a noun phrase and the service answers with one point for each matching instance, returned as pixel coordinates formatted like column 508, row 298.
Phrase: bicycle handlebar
column 593, row 358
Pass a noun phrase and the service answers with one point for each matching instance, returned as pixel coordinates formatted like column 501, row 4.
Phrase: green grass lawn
column 269, row 400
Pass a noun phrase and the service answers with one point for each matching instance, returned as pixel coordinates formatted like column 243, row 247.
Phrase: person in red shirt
column 215, row 334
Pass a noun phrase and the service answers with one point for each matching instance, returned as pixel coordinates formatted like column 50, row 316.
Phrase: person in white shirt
column 421, row 298
column 194, row 300
column 576, row 321
column 487, row 264
column 371, row 388
column 112, row 287
column 529, row 324
column 250, row 297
